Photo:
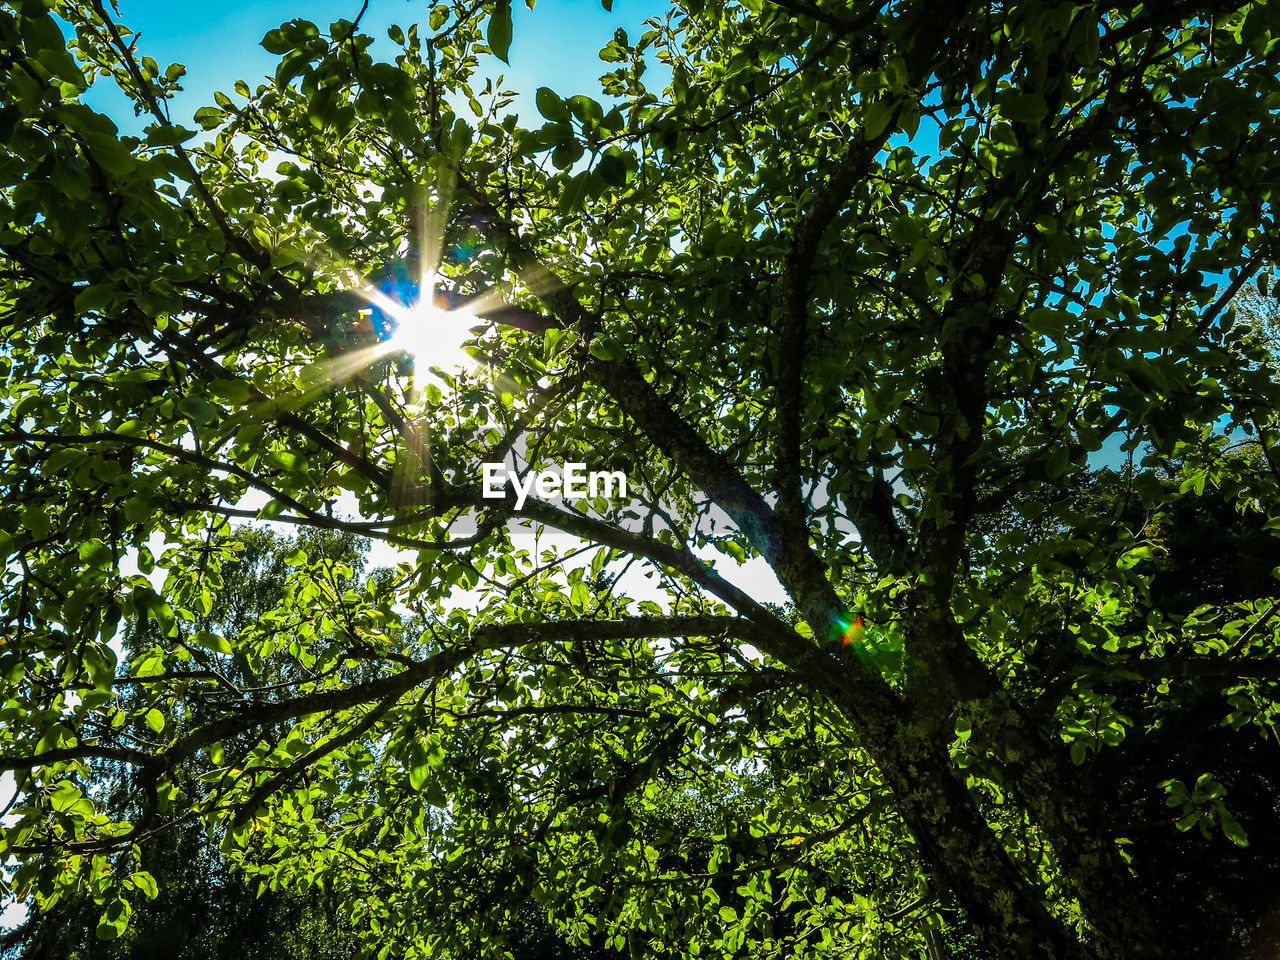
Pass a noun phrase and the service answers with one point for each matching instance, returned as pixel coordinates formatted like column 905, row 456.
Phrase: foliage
column 1257, row 308
column 867, row 294
column 202, row 909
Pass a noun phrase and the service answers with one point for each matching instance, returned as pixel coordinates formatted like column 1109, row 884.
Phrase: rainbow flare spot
column 851, row 630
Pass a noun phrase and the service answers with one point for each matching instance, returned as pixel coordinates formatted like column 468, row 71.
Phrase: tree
column 201, row 908
column 1259, row 310
column 877, row 284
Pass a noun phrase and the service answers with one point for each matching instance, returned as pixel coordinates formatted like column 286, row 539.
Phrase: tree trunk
column 1006, row 909
column 1040, row 776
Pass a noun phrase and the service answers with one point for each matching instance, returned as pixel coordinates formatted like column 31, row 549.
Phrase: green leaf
column 295, row 65
column 566, row 153
column 275, row 42
column 1231, row 827
column 575, row 191
column 1029, row 108
column 878, row 117
column 733, row 549
column 101, row 661
column 45, row 42
column 499, row 32
column 435, row 756
column 612, row 168
column 1059, row 460
column 235, row 392
column 114, row 919
column 145, row 882
column 198, row 409
column 211, row 641
column 420, row 771
column 283, row 460
column 585, row 108
column 209, row 117
column 603, row 348
column 550, row 105
column 95, row 297
column 95, row 553
column 168, row 134
column 154, row 719
column 67, row 798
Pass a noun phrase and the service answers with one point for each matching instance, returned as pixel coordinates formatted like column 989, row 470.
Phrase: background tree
column 202, row 907
column 1257, row 308
column 863, row 279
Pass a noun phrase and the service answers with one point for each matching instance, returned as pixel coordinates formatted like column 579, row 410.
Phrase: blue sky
column 554, row 45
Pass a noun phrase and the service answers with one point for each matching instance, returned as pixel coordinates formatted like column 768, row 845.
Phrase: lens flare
column 433, row 337
column 851, row 630
column 408, row 311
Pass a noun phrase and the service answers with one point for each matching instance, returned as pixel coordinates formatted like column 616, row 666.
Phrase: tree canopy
column 202, row 908
column 925, row 307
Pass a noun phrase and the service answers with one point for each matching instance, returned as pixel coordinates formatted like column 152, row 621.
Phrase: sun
column 434, row 337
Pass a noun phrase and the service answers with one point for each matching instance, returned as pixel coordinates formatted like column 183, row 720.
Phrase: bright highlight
column 433, row 337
